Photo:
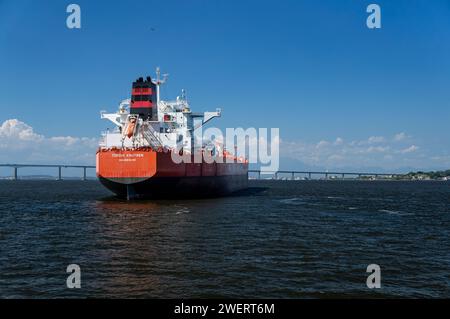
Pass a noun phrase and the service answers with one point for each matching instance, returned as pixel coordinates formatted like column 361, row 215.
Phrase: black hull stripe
column 178, row 187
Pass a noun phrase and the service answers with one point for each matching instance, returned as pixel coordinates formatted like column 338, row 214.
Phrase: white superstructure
column 171, row 125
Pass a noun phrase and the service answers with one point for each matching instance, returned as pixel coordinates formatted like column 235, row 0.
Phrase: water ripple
column 310, row 239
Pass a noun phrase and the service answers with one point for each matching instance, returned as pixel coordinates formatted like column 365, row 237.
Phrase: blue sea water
column 279, row 239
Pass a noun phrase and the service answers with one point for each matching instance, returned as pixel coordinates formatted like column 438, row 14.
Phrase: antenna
column 158, row 81
column 158, row 77
column 158, row 73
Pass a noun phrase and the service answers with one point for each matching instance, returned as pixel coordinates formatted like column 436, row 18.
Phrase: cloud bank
column 380, row 152
column 20, row 144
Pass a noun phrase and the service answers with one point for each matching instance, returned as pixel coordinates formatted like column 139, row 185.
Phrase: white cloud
column 373, row 152
column 410, row 149
column 377, row 149
column 322, row 144
column 20, row 144
column 400, row 137
column 16, row 130
column 335, row 157
column 375, row 139
column 339, row 141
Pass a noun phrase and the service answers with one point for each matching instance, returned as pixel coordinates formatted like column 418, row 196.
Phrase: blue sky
column 342, row 95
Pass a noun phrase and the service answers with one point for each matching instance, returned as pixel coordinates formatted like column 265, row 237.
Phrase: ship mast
column 158, row 82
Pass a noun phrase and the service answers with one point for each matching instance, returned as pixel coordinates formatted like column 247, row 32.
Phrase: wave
column 394, row 212
column 291, row 201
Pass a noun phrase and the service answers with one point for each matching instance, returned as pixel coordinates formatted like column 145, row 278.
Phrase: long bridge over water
column 15, row 169
column 258, row 173
column 324, row 174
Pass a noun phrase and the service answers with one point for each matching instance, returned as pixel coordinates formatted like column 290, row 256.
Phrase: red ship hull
column 145, row 173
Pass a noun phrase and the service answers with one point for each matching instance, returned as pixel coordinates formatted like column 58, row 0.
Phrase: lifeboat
column 129, row 130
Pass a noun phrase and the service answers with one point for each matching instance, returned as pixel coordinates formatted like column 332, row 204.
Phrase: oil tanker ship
column 136, row 159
